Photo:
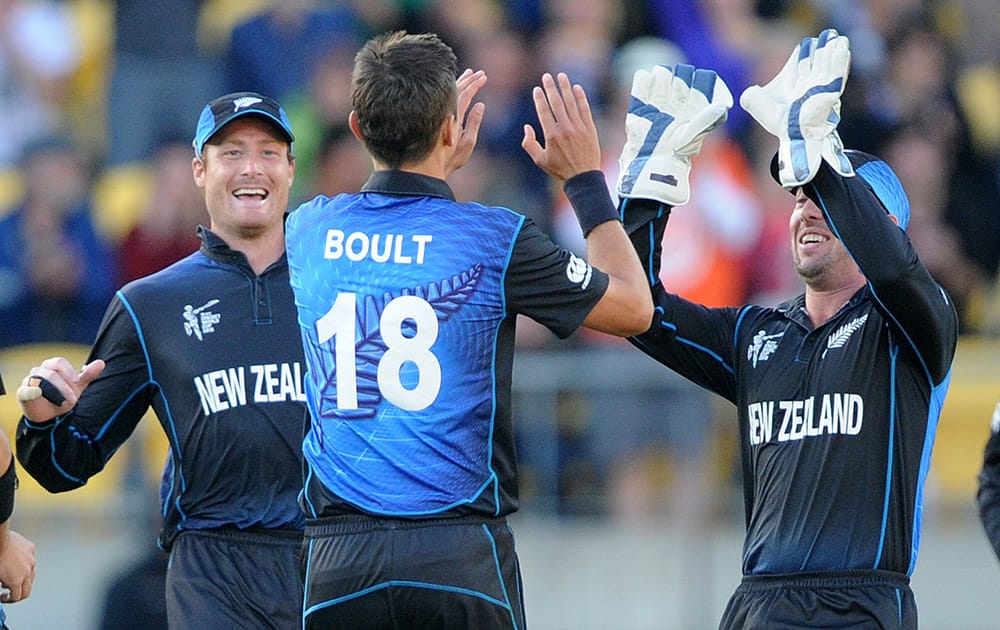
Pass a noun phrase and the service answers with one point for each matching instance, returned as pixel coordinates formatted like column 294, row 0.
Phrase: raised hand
column 469, row 84
column 41, row 390
column 670, row 112
column 801, row 107
column 571, row 144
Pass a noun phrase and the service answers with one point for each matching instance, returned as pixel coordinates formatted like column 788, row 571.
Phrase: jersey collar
column 795, row 308
column 396, row 182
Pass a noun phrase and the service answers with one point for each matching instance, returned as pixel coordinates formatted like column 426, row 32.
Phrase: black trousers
column 223, row 579
column 366, row 572
column 847, row 599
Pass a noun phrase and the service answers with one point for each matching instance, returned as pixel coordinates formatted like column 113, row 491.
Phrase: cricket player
column 839, row 390
column 211, row 344
column 408, row 301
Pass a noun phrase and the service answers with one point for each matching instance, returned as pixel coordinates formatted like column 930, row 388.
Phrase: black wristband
column 8, row 484
column 591, row 201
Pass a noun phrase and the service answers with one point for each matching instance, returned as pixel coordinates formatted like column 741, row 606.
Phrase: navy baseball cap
column 223, row 110
column 881, row 180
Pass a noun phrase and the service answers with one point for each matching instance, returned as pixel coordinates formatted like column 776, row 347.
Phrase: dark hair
column 402, row 90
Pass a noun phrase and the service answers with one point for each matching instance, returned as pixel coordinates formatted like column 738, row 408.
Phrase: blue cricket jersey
column 406, row 302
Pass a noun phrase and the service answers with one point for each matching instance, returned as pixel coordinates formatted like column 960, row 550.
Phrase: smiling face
column 246, row 171
column 820, row 258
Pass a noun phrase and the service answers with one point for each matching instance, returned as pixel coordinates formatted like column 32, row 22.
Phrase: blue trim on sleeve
column 168, row 421
column 692, row 344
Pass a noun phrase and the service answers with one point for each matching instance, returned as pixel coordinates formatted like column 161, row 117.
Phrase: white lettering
column 208, row 403
column 381, row 248
column 856, row 415
column 761, row 417
column 826, row 416
column 421, row 240
column 838, row 414
column 786, row 406
column 236, row 386
column 272, row 383
column 334, row 244
column 361, row 240
column 808, row 427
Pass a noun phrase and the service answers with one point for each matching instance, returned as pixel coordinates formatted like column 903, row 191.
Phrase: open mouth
column 252, row 193
column 812, row 238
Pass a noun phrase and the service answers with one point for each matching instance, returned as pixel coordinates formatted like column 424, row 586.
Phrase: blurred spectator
column 714, row 34
column 924, row 164
column 343, row 165
column 166, row 231
column 579, row 39
column 961, row 211
column 276, row 51
column 39, row 52
column 160, row 78
column 500, row 172
column 56, row 274
column 317, row 108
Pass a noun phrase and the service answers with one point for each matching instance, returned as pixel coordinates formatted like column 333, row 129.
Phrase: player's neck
column 262, row 249
column 823, row 304
column 434, row 165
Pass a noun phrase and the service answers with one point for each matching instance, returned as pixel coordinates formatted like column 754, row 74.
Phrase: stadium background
column 632, row 516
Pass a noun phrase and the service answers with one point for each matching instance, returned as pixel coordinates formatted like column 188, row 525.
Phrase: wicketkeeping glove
column 670, row 112
column 801, row 106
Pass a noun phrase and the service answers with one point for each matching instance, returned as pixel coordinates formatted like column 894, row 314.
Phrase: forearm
column 902, row 286
column 626, row 307
column 645, row 221
column 57, row 454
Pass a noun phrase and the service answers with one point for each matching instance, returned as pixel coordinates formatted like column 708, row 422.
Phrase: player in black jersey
column 838, row 391
column 212, row 345
column 988, row 494
column 17, row 553
column 408, row 301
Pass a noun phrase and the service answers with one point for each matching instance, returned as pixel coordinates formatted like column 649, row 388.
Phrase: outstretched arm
column 572, row 156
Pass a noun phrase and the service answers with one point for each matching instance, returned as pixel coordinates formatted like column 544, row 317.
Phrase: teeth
column 813, row 238
column 250, row 191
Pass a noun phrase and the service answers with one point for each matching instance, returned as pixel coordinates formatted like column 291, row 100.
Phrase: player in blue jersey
column 17, row 553
column 211, row 344
column 407, row 301
column 838, row 391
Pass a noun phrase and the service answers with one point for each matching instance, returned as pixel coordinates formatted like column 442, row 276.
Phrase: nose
column 252, row 164
column 810, row 211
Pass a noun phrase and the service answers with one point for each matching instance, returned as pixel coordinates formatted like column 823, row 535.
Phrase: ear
column 449, row 131
column 893, row 218
column 352, row 122
column 198, row 170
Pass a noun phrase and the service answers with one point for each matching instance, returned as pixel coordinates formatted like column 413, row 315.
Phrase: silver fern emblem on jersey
column 245, row 101
column 763, row 346
column 842, row 334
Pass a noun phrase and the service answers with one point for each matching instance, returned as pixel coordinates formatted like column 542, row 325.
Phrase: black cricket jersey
column 214, row 349
column 836, row 423
column 407, row 301
column 988, row 491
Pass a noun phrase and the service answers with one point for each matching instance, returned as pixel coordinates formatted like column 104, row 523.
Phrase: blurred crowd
column 99, row 100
